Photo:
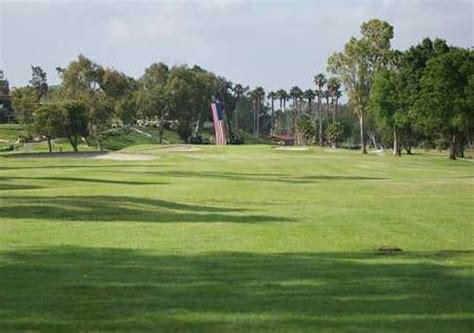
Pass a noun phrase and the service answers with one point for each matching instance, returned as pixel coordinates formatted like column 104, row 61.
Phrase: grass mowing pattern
column 237, row 239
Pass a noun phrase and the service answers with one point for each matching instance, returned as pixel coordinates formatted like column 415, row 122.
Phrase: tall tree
column 296, row 94
column 309, row 95
column 83, row 81
column 334, row 91
column 49, row 122
column 387, row 105
column 272, row 95
column 238, row 94
column 258, row 96
column 357, row 65
column 320, row 81
column 39, row 82
column 445, row 105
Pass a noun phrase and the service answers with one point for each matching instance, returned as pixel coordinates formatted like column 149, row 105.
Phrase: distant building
column 284, row 140
column 6, row 110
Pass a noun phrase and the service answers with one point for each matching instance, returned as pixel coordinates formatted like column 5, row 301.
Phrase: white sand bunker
column 124, row 157
column 292, row 148
column 184, row 148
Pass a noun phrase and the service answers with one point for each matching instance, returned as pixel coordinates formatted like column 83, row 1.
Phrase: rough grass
column 243, row 238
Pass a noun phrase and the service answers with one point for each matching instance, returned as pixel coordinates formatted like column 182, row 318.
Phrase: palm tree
column 282, row 96
column 238, row 93
column 320, row 81
column 309, row 94
column 334, row 90
column 258, row 96
column 296, row 94
column 272, row 95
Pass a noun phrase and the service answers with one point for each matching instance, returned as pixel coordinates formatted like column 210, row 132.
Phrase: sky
column 270, row 43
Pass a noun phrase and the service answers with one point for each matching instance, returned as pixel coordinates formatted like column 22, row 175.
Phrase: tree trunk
column 363, row 141
column 198, row 125
column 333, row 110
column 88, row 143
column 50, row 147
column 460, row 146
column 272, row 119
column 396, row 143
column 73, row 142
column 320, row 111
column 258, row 119
column 452, row 151
column 99, row 144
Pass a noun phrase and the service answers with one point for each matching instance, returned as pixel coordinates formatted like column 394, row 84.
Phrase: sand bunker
column 185, row 148
column 292, row 148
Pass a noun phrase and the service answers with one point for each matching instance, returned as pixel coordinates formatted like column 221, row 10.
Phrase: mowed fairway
column 237, row 239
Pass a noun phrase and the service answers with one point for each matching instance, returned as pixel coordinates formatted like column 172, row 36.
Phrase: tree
column 306, row 129
column 272, row 95
column 333, row 132
column 309, row 95
column 49, row 122
column 357, row 65
column 258, row 96
column 387, row 106
column 83, row 80
column 320, row 81
column 334, row 91
column 296, row 94
column 25, row 102
column 74, row 121
column 239, row 92
column 445, row 105
column 39, row 82
column 188, row 92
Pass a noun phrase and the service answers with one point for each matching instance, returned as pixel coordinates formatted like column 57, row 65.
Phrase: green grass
column 241, row 238
column 10, row 132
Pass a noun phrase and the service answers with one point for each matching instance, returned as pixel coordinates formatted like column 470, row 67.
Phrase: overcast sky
column 275, row 44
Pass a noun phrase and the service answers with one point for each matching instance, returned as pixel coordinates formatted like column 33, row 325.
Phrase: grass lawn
column 242, row 238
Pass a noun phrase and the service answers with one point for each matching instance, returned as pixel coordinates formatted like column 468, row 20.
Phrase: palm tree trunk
column 320, row 107
column 272, row 119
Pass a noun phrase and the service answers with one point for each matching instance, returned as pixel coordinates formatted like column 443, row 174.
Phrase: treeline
column 422, row 97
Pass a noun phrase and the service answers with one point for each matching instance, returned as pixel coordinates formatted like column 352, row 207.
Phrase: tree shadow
column 81, row 289
column 9, row 187
column 121, row 209
column 75, row 166
column 81, row 180
column 266, row 177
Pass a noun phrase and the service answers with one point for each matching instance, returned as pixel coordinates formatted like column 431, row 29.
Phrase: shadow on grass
column 81, row 180
column 75, row 166
column 120, row 209
column 9, row 187
column 73, row 289
column 280, row 178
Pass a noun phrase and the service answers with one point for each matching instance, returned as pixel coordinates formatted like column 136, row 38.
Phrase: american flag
column 218, row 118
